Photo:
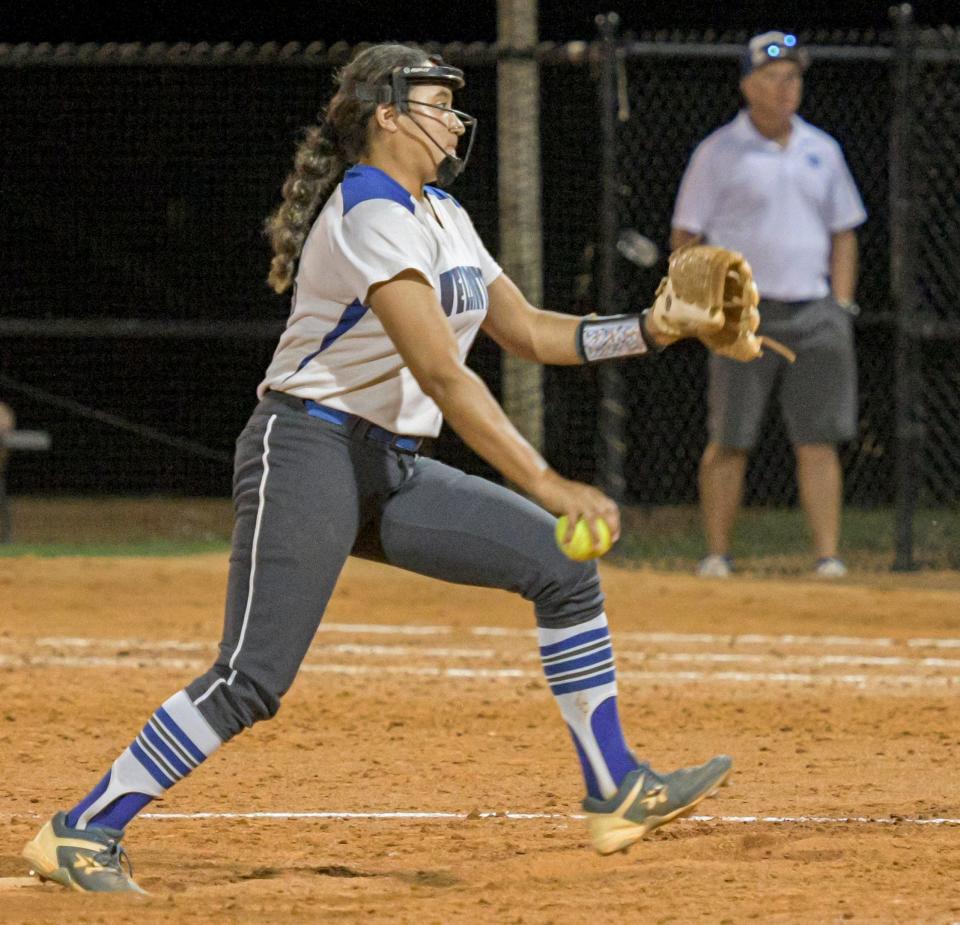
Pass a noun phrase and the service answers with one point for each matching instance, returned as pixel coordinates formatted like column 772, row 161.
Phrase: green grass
column 775, row 540
column 766, row 540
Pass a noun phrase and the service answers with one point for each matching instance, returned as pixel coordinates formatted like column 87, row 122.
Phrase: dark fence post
column 909, row 424
column 611, row 422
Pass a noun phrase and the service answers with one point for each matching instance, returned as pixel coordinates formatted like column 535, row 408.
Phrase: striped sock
column 578, row 663
column 175, row 740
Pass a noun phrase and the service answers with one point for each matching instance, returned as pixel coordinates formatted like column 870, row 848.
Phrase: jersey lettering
column 462, row 290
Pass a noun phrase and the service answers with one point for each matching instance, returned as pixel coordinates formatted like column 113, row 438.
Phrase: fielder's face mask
column 397, row 92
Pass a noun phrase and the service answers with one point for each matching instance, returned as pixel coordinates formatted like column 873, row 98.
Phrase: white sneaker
column 829, row 567
column 715, row 566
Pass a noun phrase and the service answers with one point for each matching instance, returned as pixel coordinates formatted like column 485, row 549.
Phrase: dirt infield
column 838, row 703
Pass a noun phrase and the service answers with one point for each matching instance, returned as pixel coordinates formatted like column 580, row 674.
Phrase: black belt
column 355, row 424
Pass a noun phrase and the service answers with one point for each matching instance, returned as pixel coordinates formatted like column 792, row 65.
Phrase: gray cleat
column 647, row 800
column 87, row 860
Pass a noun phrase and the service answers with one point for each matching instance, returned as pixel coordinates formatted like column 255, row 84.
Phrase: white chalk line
column 146, row 662
column 176, row 645
column 726, row 640
column 731, row 639
column 126, row 654
column 424, row 816
column 145, row 648
column 490, row 814
column 872, row 661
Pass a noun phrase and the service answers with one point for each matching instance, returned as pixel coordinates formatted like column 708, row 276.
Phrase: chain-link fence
column 136, row 323
column 927, row 215
column 670, row 96
column 135, row 184
column 676, row 96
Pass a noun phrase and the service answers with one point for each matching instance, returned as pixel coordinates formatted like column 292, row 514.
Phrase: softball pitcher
column 390, row 286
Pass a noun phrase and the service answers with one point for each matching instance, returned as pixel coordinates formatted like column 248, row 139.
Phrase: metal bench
column 36, row 441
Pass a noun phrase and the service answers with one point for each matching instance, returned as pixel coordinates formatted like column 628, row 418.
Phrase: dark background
column 137, row 192
column 453, row 20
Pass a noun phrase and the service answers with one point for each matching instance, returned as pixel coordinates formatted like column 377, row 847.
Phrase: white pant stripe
column 209, row 691
column 253, row 562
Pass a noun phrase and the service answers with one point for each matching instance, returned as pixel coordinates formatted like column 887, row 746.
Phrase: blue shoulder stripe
column 364, row 182
column 442, row 194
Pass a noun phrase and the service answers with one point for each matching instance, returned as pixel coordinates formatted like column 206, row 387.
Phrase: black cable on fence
column 932, row 45
column 139, row 327
column 114, row 420
column 274, row 54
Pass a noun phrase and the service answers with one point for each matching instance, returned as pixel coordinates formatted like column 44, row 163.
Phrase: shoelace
column 653, row 783
column 114, row 856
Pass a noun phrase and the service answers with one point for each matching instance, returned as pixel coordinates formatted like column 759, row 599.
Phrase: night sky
column 455, row 20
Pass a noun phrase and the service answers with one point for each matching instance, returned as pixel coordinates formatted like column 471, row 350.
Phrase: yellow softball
column 581, row 545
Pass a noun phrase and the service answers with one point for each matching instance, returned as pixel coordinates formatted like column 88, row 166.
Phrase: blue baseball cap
column 773, row 46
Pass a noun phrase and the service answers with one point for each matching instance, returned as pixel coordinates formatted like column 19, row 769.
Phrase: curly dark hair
column 326, row 152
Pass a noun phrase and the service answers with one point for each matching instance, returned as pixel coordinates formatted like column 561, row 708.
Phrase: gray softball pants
column 307, row 494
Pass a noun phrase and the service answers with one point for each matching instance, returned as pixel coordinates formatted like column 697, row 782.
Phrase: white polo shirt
column 334, row 349
column 777, row 205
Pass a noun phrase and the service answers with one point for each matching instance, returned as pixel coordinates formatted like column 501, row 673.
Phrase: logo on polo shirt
column 813, row 160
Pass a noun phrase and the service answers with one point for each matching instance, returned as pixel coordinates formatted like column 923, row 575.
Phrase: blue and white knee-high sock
column 578, row 662
column 175, row 740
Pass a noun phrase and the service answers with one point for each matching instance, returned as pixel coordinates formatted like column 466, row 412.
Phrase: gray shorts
column 818, row 393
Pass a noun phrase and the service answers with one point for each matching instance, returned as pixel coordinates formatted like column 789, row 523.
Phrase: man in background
column 778, row 189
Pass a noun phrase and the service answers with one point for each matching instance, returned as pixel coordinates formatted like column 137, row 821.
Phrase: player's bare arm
column 844, row 254
column 528, row 332
column 412, row 317
column 546, row 337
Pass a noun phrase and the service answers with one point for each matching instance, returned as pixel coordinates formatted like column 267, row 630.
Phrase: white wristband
column 610, row 337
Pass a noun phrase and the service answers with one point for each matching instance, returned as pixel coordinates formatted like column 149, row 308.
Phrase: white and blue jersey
column 334, row 350
column 777, row 205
